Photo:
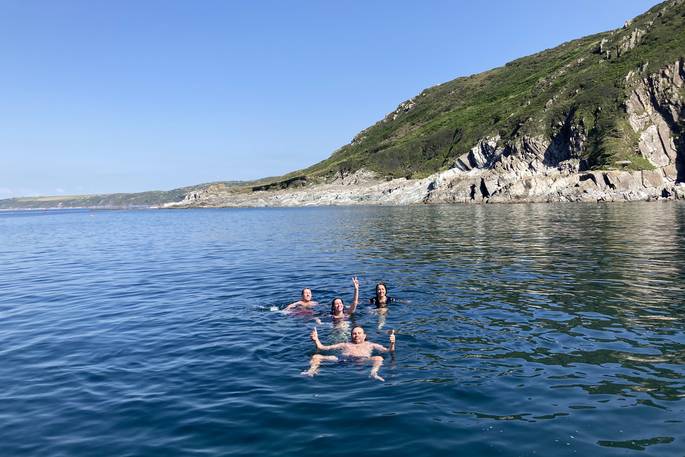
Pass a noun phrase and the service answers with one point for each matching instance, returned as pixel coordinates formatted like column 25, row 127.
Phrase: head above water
column 358, row 335
column 337, row 306
column 306, row 294
column 381, row 290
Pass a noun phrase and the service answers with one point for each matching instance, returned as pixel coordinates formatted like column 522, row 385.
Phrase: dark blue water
column 523, row 330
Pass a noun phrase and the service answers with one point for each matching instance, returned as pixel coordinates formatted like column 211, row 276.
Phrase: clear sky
column 100, row 96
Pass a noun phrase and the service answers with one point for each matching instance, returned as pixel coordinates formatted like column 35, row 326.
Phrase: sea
column 521, row 330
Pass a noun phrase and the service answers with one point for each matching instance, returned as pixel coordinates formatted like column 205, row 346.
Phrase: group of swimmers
column 358, row 349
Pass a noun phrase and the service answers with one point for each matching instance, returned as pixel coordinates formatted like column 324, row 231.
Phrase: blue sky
column 126, row 96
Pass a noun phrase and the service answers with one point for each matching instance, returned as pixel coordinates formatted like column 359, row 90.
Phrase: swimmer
column 359, row 349
column 338, row 310
column 381, row 299
column 305, row 302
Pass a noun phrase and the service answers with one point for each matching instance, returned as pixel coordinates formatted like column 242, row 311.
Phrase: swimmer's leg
column 377, row 362
column 316, row 361
column 382, row 317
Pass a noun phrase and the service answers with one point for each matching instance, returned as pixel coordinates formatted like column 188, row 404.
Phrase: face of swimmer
column 358, row 335
column 306, row 295
column 380, row 290
column 338, row 306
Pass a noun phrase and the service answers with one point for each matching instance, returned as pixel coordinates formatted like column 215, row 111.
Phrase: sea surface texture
column 522, row 330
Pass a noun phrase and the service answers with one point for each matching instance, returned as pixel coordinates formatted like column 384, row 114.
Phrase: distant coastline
column 449, row 187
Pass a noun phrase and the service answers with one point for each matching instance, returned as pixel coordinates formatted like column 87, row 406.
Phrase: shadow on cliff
column 566, row 144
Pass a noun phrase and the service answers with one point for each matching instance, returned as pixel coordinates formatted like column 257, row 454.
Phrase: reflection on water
column 522, row 330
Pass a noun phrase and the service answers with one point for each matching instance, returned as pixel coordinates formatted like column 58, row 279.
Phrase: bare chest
column 357, row 350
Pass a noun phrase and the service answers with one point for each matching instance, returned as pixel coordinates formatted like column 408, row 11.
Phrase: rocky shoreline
column 455, row 186
column 523, row 169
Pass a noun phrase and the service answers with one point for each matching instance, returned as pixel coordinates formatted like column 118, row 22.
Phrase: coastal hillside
column 575, row 98
column 600, row 118
column 118, row 200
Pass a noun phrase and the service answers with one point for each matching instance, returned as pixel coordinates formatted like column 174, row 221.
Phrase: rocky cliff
column 596, row 119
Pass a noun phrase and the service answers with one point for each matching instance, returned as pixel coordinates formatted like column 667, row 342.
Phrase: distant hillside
column 120, row 200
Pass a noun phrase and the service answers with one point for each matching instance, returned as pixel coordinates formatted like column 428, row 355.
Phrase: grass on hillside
column 535, row 95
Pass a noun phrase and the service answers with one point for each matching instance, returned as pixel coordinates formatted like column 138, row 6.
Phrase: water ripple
column 522, row 330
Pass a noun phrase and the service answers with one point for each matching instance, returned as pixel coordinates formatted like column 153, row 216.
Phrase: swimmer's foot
column 311, row 373
column 376, row 377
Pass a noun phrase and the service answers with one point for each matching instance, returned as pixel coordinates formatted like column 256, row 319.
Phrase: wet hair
column 306, row 288
column 376, row 289
column 333, row 304
column 356, row 327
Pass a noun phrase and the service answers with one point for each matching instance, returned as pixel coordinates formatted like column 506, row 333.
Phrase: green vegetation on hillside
column 582, row 82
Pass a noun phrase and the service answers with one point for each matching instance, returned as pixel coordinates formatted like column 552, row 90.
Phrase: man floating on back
column 358, row 349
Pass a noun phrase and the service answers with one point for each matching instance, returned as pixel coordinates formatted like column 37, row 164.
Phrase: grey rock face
column 482, row 155
column 457, row 186
column 655, row 110
column 404, row 107
column 629, row 42
column 653, row 179
column 525, row 169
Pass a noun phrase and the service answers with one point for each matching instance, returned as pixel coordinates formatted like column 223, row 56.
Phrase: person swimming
column 340, row 316
column 358, row 349
column 381, row 299
column 338, row 310
column 305, row 303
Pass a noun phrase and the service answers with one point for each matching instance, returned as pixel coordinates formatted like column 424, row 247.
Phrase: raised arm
column 322, row 347
column 355, row 299
column 381, row 348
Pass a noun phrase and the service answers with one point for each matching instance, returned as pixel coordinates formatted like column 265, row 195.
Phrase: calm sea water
column 522, row 330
